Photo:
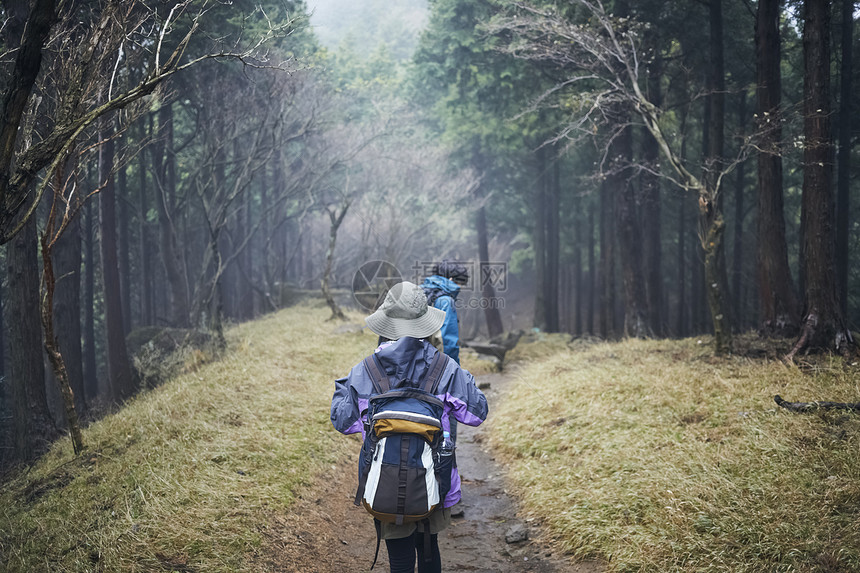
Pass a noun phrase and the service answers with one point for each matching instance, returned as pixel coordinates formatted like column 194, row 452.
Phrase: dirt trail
column 476, row 542
column 326, row 533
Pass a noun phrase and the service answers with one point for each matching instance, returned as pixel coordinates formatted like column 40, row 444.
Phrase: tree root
column 812, row 334
column 814, row 406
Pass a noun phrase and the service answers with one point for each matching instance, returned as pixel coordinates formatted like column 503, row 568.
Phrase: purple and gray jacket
column 404, row 360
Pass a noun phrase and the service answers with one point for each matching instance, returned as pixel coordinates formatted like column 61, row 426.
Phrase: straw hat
column 405, row 312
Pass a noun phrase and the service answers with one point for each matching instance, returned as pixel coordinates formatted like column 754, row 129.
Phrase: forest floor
column 325, row 532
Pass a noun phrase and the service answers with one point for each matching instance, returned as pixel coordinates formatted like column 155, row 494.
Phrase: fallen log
column 813, row 406
column 496, row 348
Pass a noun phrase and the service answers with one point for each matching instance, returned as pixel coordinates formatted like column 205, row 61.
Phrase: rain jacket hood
column 442, row 293
column 447, row 286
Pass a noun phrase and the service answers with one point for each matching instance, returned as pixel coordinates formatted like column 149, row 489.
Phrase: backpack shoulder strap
column 380, row 380
column 434, row 372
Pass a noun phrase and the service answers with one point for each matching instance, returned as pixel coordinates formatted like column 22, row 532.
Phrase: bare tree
column 117, row 35
column 65, row 56
column 341, row 181
column 601, row 58
column 66, row 201
column 234, row 154
column 336, row 219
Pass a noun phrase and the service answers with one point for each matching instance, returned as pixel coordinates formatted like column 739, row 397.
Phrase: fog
column 362, row 25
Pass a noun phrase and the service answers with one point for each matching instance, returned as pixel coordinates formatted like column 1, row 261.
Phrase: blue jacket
column 446, row 292
column 403, row 360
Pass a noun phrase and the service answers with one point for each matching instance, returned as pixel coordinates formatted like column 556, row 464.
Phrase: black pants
column 402, row 553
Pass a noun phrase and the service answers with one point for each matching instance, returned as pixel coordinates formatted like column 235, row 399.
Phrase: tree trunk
column 488, row 292
column 844, row 158
column 578, row 284
column 629, row 235
column 215, row 299
column 652, row 226
column 823, row 322
column 710, row 200
column 737, row 250
column 540, row 223
column 244, row 307
column 119, row 369
column 652, row 255
column 716, row 279
column 714, row 161
column 682, row 329
column 123, row 249
column 336, row 220
column 266, row 253
column 606, row 282
column 592, row 272
column 698, row 297
column 144, row 246
column 91, row 385
column 171, row 252
column 52, row 347
column 32, row 427
column 250, row 274
column 66, row 257
column 553, row 259
column 778, row 305
column 3, row 397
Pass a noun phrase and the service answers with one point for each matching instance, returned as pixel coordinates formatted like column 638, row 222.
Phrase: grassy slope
column 186, row 474
column 663, row 458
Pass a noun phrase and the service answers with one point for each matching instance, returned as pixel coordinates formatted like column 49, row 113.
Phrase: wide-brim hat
column 405, row 312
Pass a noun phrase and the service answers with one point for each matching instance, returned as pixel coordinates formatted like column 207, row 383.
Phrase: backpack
column 402, row 476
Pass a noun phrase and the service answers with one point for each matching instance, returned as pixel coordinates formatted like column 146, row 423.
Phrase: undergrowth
column 184, row 477
column 656, row 456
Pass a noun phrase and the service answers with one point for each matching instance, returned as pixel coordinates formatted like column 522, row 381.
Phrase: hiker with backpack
column 442, row 288
column 400, row 399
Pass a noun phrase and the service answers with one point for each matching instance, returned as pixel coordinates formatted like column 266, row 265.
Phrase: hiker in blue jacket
column 442, row 288
column 404, row 322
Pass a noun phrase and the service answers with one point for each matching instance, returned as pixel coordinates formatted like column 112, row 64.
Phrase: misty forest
column 657, row 204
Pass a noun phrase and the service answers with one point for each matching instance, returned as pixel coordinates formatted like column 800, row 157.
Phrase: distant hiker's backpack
column 402, row 477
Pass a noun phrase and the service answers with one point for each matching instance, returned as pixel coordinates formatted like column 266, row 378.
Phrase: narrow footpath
column 326, row 533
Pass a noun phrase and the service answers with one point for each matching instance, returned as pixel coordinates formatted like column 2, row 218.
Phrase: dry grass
column 185, row 477
column 470, row 361
column 659, row 457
